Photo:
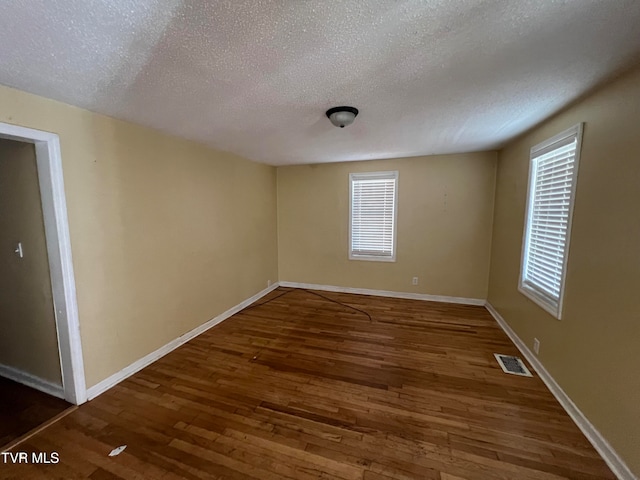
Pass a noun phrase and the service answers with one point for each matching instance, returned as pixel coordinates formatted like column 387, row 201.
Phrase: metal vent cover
column 512, row 365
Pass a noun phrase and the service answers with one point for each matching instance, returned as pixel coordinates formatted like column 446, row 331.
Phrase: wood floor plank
column 314, row 385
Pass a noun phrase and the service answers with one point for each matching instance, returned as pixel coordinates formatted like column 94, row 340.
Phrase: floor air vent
column 512, row 365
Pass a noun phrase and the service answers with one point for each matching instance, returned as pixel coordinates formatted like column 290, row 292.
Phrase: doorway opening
column 71, row 386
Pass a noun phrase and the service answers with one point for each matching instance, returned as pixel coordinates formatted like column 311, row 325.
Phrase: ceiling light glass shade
column 342, row 116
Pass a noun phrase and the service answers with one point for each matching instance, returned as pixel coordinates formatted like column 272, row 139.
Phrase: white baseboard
column 386, row 293
column 138, row 365
column 31, row 381
column 610, row 456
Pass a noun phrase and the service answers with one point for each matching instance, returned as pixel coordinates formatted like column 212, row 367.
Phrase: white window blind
column 552, row 179
column 373, row 215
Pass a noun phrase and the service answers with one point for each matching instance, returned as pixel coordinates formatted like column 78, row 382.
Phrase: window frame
column 371, row 176
column 532, row 294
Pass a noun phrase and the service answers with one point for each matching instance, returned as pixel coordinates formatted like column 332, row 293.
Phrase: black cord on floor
column 255, row 305
column 312, row 293
column 255, row 357
column 339, row 303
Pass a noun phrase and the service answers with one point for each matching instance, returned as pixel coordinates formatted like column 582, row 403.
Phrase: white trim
column 56, row 226
column 526, row 290
column 610, row 456
column 539, row 300
column 374, row 175
column 31, row 381
column 371, row 258
column 540, row 148
column 138, row 365
column 386, row 293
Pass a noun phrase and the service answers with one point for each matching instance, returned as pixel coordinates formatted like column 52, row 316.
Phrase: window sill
column 370, row 258
column 542, row 302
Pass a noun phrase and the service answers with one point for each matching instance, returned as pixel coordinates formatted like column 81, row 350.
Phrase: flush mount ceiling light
column 342, row 116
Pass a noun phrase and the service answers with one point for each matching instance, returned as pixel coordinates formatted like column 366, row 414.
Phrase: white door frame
column 56, row 227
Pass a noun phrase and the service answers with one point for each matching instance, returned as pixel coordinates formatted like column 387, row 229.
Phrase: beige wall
column 445, row 208
column 28, row 338
column 593, row 351
column 165, row 233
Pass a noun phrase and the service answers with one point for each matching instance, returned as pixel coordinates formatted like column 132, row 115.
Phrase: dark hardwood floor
column 304, row 388
column 22, row 409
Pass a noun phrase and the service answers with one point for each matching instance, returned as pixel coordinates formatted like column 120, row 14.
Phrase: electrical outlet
column 414, row 281
column 268, row 283
column 536, row 345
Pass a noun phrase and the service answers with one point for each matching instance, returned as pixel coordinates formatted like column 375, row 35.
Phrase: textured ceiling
column 255, row 77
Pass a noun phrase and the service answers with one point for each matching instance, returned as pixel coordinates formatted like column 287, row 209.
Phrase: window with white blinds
column 552, row 179
column 373, row 216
